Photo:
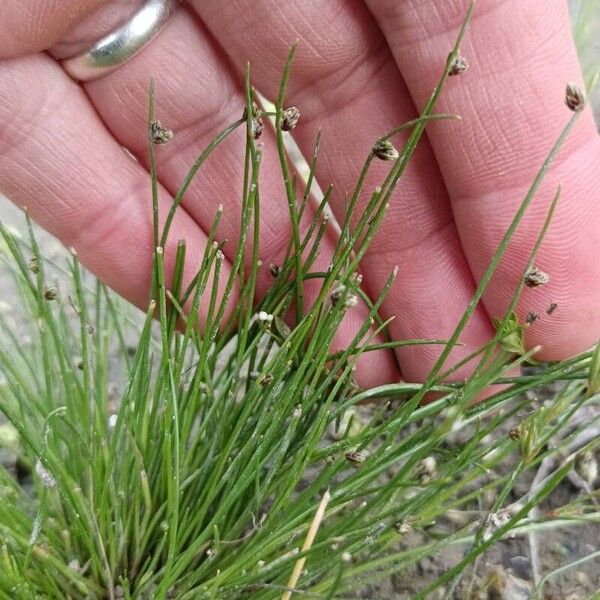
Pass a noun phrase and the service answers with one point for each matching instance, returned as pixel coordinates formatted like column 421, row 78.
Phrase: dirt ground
column 506, row 571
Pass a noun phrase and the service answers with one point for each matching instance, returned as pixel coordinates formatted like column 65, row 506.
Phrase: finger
column 197, row 96
column 344, row 80
column 30, row 26
column 58, row 160
column 511, row 99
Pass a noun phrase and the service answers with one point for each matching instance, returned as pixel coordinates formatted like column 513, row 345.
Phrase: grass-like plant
column 233, row 464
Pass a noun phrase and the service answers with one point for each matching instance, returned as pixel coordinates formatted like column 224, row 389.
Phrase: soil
column 506, row 570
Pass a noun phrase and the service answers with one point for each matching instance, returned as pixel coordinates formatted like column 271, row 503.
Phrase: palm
column 357, row 74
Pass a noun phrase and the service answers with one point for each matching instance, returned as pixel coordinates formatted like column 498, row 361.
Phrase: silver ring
column 121, row 45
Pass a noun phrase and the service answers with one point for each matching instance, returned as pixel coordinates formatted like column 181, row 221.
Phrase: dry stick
column 308, row 542
column 534, row 547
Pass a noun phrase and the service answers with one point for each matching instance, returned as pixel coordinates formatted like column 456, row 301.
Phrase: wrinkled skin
column 361, row 68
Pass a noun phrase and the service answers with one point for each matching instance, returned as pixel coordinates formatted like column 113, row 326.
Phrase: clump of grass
column 232, row 464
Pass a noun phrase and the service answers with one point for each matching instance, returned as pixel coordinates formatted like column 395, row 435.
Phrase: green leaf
column 513, row 334
column 594, row 373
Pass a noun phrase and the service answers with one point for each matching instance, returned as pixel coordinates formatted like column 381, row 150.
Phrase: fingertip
column 373, row 367
column 376, row 368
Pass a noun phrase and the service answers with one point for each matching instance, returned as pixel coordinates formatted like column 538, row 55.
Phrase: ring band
column 118, row 47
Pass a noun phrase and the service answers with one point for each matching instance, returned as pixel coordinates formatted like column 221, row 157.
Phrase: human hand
column 361, row 68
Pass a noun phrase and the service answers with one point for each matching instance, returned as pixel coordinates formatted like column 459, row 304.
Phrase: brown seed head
column 257, row 127
column 514, row 433
column 265, row 379
column 574, row 97
column 160, row 134
column 384, row 150
column 458, row 66
column 289, row 118
column 50, row 294
column 532, row 317
column 338, row 293
column 534, row 277
column 356, row 457
column 34, row 265
column 256, row 112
